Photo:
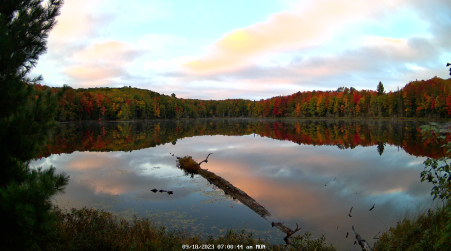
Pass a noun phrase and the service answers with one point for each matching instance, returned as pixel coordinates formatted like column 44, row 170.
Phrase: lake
column 306, row 172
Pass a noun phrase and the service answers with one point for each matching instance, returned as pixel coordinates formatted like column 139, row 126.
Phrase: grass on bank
column 429, row 231
column 92, row 229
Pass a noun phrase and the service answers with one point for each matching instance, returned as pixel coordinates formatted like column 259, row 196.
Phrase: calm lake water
column 305, row 172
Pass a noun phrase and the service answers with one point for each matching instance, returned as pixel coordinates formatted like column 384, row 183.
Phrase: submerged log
column 237, row 194
column 361, row 241
column 234, row 192
column 228, row 188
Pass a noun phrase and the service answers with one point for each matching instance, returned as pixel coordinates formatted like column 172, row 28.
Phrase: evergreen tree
column 26, row 116
column 380, row 88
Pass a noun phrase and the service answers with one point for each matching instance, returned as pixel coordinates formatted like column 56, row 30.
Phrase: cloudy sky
column 247, row 49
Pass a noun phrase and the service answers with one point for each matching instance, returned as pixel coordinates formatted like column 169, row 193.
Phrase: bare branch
column 376, row 235
column 286, row 230
column 205, row 160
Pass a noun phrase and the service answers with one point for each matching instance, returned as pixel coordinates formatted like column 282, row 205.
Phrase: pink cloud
column 89, row 72
column 309, row 25
column 75, row 21
column 101, row 61
column 105, row 51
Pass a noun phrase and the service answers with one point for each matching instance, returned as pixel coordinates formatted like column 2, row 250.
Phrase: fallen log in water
column 186, row 164
column 361, row 241
column 286, row 230
column 234, row 192
column 191, row 166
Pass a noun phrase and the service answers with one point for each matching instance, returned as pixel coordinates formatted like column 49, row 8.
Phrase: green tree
column 124, row 113
column 133, row 110
column 380, row 88
column 312, row 106
column 26, row 117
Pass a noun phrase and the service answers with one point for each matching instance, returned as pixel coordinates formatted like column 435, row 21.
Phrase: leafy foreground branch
column 91, row 229
column 432, row 230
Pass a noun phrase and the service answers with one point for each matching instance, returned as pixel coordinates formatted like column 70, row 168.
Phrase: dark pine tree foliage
column 26, row 116
column 380, row 89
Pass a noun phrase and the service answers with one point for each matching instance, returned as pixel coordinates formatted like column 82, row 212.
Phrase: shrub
column 187, row 163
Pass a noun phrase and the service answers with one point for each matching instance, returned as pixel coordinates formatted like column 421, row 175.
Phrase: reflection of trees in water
column 127, row 136
column 380, row 148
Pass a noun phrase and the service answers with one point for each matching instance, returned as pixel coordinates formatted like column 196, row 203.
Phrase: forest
column 418, row 99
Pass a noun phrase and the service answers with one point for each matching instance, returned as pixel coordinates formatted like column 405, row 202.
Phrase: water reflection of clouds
column 417, row 161
column 314, row 186
column 93, row 161
column 99, row 174
column 359, row 169
column 297, row 183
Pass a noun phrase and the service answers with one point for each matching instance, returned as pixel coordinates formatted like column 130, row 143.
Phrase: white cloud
column 76, row 21
column 166, row 64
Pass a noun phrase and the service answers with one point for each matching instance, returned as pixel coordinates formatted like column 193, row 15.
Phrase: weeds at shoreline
column 92, row 229
column 429, row 231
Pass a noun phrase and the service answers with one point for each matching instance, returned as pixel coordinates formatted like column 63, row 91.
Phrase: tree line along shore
column 430, row 99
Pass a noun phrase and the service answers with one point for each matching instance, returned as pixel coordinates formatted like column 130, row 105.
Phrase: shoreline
column 440, row 120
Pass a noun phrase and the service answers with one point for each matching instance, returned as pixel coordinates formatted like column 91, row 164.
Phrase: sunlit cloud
column 99, row 62
column 105, row 51
column 91, row 72
column 305, row 27
column 289, row 46
column 76, row 21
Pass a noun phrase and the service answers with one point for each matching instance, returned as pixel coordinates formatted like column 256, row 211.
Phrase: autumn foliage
column 431, row 98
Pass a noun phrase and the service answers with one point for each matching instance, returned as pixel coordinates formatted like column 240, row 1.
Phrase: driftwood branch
column 362, row 242
column 205, row 160
column 291, row 233
column 286, row 230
